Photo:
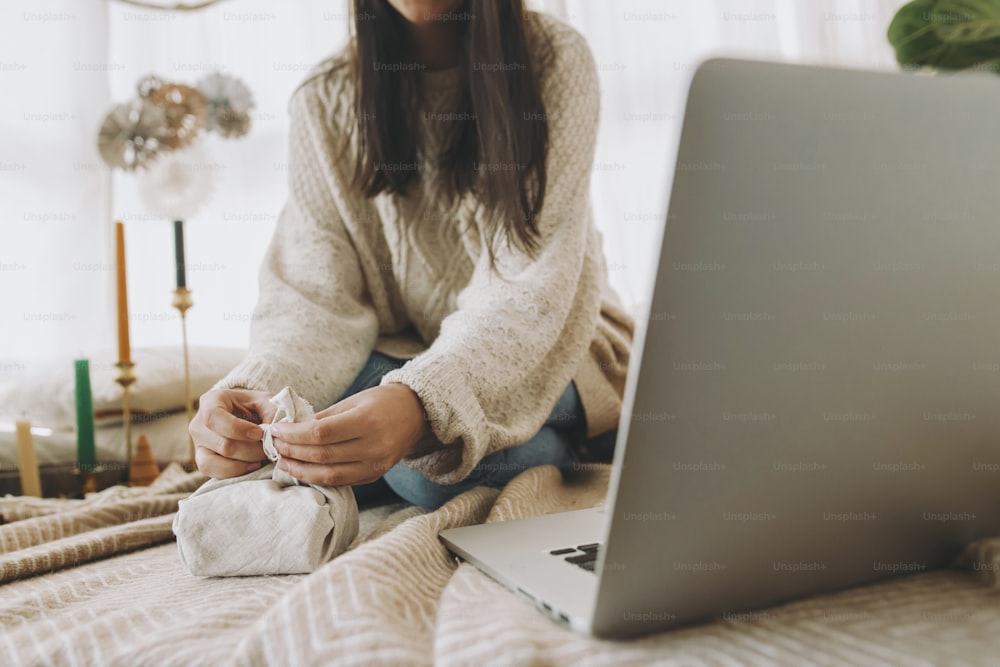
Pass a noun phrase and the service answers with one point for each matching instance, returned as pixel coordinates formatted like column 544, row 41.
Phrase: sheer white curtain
column 54, row 200
column 646, row 51
column 63, row 63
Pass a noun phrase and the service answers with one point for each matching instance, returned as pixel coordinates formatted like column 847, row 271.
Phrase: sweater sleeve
column 314, row 325
column 504, row 356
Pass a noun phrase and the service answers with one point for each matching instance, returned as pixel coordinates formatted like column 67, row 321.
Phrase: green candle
column 86, row 452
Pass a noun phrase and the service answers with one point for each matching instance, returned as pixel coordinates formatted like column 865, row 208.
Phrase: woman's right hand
column 226, row 434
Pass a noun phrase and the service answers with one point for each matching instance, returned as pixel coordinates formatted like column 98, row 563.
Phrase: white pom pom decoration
column 178, row 183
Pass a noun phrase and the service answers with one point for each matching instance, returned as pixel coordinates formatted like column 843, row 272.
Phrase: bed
column 98, row 581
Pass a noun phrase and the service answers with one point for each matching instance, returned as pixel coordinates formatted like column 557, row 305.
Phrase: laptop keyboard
column 584, row 556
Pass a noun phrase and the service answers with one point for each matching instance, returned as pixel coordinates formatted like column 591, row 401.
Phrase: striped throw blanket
column 99, row 582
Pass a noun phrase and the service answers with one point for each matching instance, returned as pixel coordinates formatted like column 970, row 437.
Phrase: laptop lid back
column 817, row 402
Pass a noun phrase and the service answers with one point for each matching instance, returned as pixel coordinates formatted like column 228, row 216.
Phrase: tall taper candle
column 86, row 453
column 179, row 252
column 27, row 463
column 124, row 350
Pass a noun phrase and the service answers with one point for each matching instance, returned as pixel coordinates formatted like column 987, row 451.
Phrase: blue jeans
column 552, row 445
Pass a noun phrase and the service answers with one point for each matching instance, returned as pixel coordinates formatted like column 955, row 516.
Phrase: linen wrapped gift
column 265, row 522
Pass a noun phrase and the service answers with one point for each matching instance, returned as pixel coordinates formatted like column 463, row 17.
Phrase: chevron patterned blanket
column 99, row 582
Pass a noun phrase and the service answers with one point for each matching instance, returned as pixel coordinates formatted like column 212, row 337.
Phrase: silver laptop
column 814, row 396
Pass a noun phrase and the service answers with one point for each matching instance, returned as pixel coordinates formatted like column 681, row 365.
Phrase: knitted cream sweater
column 489, row 354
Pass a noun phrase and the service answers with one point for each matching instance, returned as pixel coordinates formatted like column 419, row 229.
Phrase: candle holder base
column 182, row 299
column 88, row 479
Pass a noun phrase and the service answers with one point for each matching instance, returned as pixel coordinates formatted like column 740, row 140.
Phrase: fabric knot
column 291, row 408
column 268, row 443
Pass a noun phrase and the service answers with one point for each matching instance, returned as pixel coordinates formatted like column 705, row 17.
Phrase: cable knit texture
column 490, row 350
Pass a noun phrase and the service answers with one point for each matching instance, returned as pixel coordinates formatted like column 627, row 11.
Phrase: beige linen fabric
column 265, row 522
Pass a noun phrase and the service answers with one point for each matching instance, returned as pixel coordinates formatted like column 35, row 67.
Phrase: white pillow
column 46, row 396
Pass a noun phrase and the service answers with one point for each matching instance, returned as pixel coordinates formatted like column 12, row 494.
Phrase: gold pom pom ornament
column 232, row 123
column 185, row 111
column 132, row 135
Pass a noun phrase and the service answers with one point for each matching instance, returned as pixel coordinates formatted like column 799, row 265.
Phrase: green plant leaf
column 912, row 35
column 967, row 21
column 915, row 34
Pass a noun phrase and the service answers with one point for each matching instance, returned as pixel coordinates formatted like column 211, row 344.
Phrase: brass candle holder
column 126, row 377
column 183, row 301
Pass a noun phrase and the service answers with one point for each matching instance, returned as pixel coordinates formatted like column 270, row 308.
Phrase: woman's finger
column 348, row 403
column 339, row 474
column 341, row 452
column 242, row 450
column 218, row 467
column 325, row 431
column 221, row 421
column 257, row 404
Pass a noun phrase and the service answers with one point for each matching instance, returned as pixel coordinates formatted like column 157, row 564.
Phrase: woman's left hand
column 355, row 441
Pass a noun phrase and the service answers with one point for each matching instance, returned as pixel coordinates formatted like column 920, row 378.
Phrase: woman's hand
column 226, row 436
column 354, row 441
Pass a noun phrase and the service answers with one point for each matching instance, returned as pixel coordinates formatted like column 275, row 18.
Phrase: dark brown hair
column 497, row 154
